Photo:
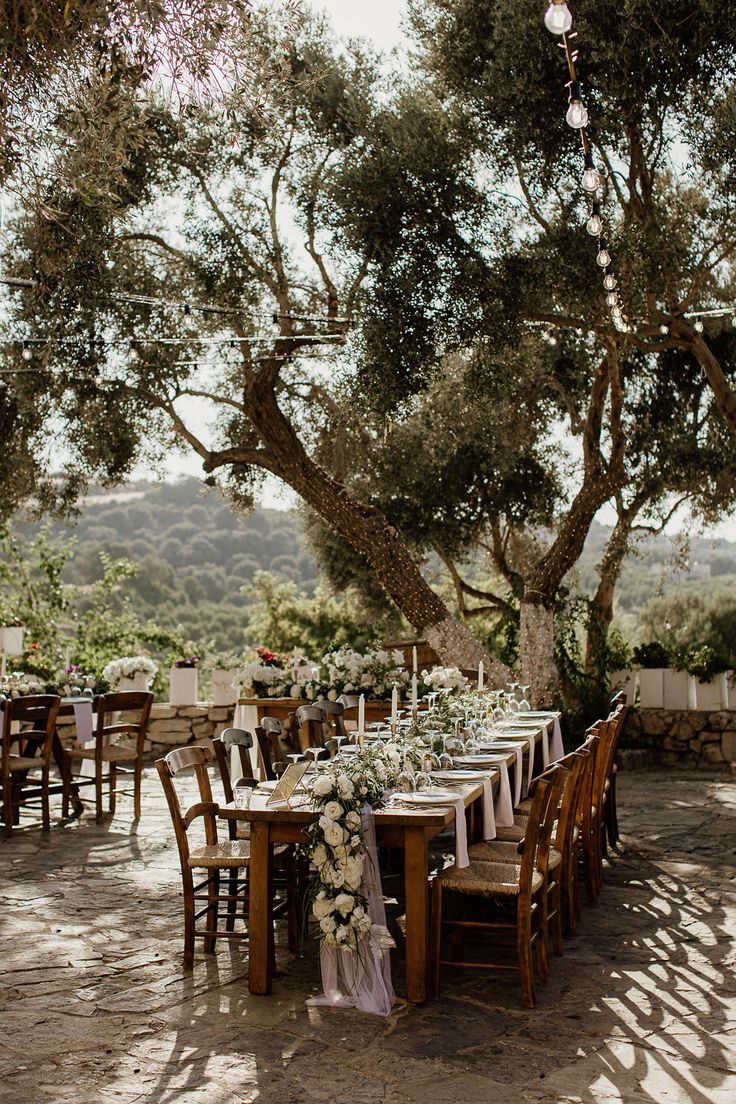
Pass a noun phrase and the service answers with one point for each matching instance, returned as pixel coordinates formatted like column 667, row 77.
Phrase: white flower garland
column 336, row 844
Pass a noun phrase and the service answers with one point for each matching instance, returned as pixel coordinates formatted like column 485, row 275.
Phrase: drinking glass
column 422, row 780
column 242, row 796
column 524, row 706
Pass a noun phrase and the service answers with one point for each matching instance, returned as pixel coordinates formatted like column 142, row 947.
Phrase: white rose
column 348, row 688
column 344, row 903
column 334, row 810
column 355, row 841
column 323, row 784
column 328, row 924
column 332, row 695
column 333, row 833
column 295, row 691
column 358, row 912
column 345, row 787
column 319, row 855
column 342, row 934
column 322, row 906
column 353, row 872
column 352, row 821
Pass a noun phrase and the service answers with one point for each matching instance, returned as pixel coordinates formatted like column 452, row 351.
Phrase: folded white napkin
column 83, row 722
column 461, row 832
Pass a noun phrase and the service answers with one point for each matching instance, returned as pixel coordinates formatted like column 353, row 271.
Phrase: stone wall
column 176, row 725
column 684, row 738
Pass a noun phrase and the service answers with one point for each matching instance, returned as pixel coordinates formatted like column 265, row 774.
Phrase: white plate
column 458, row 776
column 436, row 797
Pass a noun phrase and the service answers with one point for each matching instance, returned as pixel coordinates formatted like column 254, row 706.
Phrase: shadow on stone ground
column 96, row 1008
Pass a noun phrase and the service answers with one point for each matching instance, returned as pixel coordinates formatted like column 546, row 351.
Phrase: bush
column 705, row 662
column 650, row 655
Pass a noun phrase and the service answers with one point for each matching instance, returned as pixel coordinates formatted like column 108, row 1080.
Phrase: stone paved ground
column 96, row 1008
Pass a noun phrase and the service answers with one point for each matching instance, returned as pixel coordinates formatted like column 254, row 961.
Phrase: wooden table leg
column 416, row 869
column 260, row 921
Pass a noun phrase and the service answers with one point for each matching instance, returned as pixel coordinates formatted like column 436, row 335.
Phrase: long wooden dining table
column 410, row 830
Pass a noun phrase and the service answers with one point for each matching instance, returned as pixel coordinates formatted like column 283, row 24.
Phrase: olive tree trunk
column 366, row 529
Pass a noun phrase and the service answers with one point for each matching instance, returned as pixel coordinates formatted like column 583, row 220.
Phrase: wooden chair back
column 308, row 726
column 36, row 715
column 196, row 758
column 272, row 747
column 575, row 765
column 136, row 704
column 349, row 701
column 223, row 745
column 335, row 712
column 538, row 813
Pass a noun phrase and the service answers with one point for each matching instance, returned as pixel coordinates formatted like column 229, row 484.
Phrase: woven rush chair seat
column 216, row 855
column 496, row 851
column 487, row 879
column 113, row 753
column 514, row 833
column 25, row 762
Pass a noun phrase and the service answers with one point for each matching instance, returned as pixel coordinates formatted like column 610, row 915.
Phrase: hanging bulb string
column 558, row 21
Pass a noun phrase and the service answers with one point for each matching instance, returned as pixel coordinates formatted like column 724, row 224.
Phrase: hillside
column 195, row 553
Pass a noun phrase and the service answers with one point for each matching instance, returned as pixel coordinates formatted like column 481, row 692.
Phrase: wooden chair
column 335, row 714
column 563, row 860
column 213, row 857
column 621, row 710
column 308, row 726
column 36, row 716
column 270, row 737
column 107, row 752
column 223, row 745
column 521, row 887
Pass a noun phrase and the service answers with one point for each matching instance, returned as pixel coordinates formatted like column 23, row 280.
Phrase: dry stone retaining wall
column 684, row 738
column 176, row 725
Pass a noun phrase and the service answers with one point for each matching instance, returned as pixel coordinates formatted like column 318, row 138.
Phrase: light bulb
column 27, row 353
column 577, row 115
column 604, row 257
column 609, row 282
column 557, row 18
column 699, row 325
column 663, row 329
column 594, row 225
column 133, row 354
column 616, row 312
column 591, row 179
column 612, row 299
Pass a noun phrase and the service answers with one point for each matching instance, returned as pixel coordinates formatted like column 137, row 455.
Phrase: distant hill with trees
column 195, row 553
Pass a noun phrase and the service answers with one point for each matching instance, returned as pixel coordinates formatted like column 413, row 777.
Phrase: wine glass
column 524, row 706
column 405, row 781
column 422, row 781
column 445, row 761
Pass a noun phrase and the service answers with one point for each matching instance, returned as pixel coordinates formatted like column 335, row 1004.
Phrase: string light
column 699, row 327
column 603, row 257
column 27, row 353
column 577, row 112
column 557, row 18
column 594, row 225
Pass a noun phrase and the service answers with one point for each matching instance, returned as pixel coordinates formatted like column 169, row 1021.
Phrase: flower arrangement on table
column 20, row 684
column 281, row 675
column 128, row 667
column 441, row 678
column 373, row 673
column 336, row 848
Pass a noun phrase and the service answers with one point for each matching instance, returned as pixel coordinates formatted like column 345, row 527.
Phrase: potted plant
column 184, row 681
column 652, row 659
column 677, row 693
column 11, row 634
column 225, row 668
column 130, row 673
column 707, row 670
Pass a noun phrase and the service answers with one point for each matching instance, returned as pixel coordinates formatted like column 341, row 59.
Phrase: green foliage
column 32, row 593
column 690, row 614
column 651, row 655
column 705, row 662
column 283, row 618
